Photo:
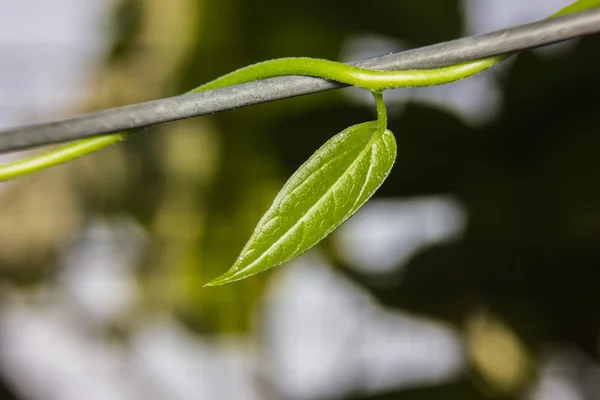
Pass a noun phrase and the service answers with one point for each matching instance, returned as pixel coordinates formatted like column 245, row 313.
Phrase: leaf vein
column 273, row 246
column 367, row 176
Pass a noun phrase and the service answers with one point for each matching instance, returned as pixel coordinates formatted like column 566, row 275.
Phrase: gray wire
column 190, row 105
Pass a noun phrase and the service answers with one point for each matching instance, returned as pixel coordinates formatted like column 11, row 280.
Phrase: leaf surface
column 325, row 191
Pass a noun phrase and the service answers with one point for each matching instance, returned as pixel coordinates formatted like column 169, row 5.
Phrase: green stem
column 375, row 81
column 381, row 112
column 58, row 156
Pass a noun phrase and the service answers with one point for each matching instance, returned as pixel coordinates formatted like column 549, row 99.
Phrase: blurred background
column 472, row 274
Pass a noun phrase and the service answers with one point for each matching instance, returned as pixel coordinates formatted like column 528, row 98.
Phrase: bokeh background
column 472, row 274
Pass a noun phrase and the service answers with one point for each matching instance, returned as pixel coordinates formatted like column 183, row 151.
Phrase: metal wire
column 190, row 105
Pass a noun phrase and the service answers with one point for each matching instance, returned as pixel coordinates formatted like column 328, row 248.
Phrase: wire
column 191, row 105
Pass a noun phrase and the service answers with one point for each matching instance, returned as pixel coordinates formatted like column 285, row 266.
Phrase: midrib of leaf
column 367, row 176
column 376, row 135
column 303, row 183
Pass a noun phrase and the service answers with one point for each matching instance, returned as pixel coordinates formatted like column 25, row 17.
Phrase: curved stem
column 375, row 81
column 58, row 156
column 381, row 112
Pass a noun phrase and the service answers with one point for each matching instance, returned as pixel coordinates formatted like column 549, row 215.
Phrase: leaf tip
column 221, row 280
column 230, row 276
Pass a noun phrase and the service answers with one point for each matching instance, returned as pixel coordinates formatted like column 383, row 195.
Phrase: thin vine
column 334, row 183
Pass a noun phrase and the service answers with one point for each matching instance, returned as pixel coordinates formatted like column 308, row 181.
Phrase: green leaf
column 325, row 191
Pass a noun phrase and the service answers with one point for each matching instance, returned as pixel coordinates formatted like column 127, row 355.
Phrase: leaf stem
column 381, row 112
